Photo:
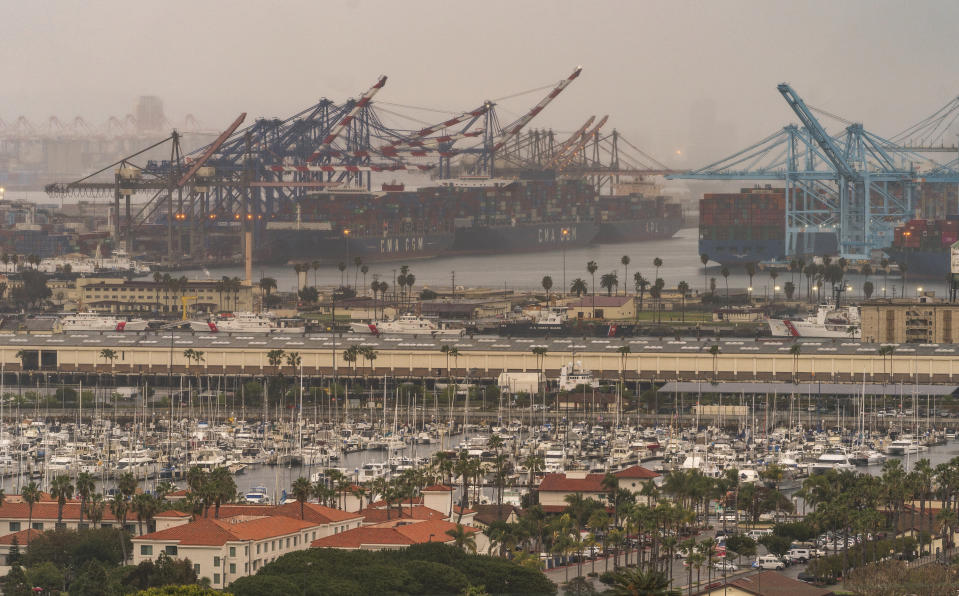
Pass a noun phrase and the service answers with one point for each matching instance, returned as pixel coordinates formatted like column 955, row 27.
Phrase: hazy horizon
column 693, row 77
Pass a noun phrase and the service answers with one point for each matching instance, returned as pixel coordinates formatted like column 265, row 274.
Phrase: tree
column 342, row 267
column 725, row 273
column 275, row 358
column 591, row 267
column 301, row 492
column 84, row 488
column 108, row 354
column 268, row 284
column 547, row 285
column 704, row 259
column 634, row 582
column 625, row 262
column 578, row 287
column 609, row 281
column 30, row 494
column 462, row 538
column 683, row 288
column 657, row 263
column 194, row 356
column 641, row 284
column 790, row 289
column 777, row 545
column 309, row 294
column 221, row 487
column 61, row 489
column 145, row 507
column 867, row 289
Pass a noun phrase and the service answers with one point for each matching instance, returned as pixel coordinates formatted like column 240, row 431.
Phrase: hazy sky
column 695, row 76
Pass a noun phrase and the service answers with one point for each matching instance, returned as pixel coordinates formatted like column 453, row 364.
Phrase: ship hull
column 740, row 252
column 522, row 238
column 313, row 245
column 921, row 264
column 637, row 230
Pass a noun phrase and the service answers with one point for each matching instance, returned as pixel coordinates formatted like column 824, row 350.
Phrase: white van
column 769, row 562
column 799, row 555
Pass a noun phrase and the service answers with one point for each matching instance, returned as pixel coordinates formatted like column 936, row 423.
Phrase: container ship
column 461, row 216
column 921, row 246
column 744, row 227
column 522, row 215
column 635, row 212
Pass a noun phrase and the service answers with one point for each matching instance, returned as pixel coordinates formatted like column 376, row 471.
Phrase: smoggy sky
column 695, row 77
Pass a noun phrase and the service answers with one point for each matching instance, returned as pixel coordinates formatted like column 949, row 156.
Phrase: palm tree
column 637, row 582
column 364, row 269
column 609, row 281
column 657, row 263
column 683, row 288
column 342, row 267
column 714, row 351
column 61, row 489
column 591, row 267
column 578, row 287
column 30, row 495
column 641, row 284
column 625, row 262
column 315, row 265
column 108, row 354
column 462, row 539
column 145, row 506
column 301, row 492
column 275, row 358
column 222, row 488
column 94, row 509
column 704, row 258
column 773, row 274
column 547, row 285
column 725, row 273
column 192, row 355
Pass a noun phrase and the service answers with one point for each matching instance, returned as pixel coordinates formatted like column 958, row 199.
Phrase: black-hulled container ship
column 516, row 216
column 744, row 227
column 922, row 247
column 636, row 212
column 461, row 216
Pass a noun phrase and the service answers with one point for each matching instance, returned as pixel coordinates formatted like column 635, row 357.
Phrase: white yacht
column 258, row 495
column 831, row 459
column 91, row 321
column 572, row 375
column 904, row 445
column 828, row 321
column 118, row 262
column 407, row 324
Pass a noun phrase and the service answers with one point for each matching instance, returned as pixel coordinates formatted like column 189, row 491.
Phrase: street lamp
column 775, row 289
column 346, row 236
column 918, row 290
column 749, row 294
column 565, row 235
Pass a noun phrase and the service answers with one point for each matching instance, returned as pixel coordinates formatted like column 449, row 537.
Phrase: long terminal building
column 479, row 357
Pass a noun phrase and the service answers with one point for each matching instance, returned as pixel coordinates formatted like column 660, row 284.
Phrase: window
column 216, row 561
column 146, row 550
column 257, row 549
column 246, row 550
column 287, row 543
column 216, row 578
column 246, row 567
column 14, row 526
column 232, row 567
column 38, row 525
column 170, row 550
column 196, row 568
column 232, row 551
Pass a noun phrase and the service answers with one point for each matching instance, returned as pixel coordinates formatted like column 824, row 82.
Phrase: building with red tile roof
column 554, row 488
column 23, row 538
column 15, row 516
column 393, row 535
column 234, row 546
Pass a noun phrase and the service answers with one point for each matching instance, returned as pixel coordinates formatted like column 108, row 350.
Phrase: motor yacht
column 831, row 459
column 573, row 375
column 91, row 321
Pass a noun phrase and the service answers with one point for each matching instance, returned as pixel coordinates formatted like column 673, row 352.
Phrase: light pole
column 346, row 236
column 775, row 289
column 565, row 235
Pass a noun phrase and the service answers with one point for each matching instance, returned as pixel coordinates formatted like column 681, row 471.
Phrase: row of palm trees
column 849, row 503
column 20, row 260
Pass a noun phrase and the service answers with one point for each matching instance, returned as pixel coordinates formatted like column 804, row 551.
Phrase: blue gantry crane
column 851, row 189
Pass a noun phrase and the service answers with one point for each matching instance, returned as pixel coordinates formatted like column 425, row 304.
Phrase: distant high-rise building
column 149, row 114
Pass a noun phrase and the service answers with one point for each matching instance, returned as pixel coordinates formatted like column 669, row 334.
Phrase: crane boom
column 425, row 132
column 350, row 168
column 212, row 149
column 818, row 133
column 561, row 149
column 359, row 105
column 566, row 159
column 516, row 126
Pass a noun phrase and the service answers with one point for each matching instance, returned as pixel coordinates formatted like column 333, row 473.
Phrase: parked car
column 724, row 565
